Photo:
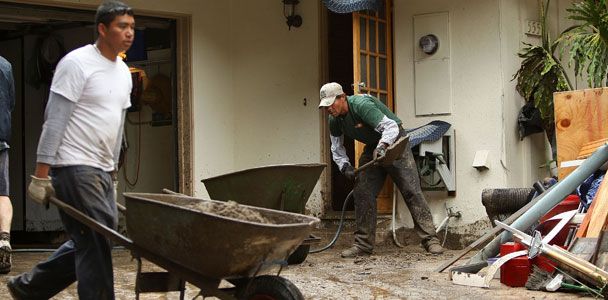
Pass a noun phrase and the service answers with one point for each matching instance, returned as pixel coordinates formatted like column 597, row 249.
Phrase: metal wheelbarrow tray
column 204, row 248
column 284, row 187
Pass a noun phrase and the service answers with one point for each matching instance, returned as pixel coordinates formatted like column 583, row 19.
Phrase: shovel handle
column 365, row 166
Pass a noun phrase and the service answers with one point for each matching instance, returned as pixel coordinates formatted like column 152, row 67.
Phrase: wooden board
column 590, row 147
column 600, row 211
column 580, row 117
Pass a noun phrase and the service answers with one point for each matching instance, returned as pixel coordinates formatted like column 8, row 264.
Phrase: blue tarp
column 427, row 133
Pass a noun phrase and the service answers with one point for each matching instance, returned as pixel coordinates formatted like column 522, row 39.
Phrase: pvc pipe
column 549, row 199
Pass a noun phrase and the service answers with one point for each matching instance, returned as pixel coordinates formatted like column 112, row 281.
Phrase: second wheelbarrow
column 284, row 187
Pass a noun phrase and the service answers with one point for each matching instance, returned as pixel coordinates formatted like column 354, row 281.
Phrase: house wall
column 485, row 103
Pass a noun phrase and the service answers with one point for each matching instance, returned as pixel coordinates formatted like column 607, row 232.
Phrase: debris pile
column 558, row 240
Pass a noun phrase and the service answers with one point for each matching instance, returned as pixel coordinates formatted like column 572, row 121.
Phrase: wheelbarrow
column 205, row 248
column 281, row 187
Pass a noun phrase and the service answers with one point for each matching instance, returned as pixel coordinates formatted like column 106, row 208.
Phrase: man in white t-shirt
column 79, row 148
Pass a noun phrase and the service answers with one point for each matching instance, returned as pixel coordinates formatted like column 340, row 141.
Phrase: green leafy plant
column 588, row 40
column 541, row 74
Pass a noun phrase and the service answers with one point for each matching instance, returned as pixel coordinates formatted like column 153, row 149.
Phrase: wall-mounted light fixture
column 289, row 11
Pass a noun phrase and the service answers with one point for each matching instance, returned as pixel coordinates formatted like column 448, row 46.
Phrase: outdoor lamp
column 289, row 11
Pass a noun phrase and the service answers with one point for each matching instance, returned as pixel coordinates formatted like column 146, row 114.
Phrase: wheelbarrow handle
column 93, row 224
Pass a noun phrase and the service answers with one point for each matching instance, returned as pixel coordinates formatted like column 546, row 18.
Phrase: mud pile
column 230, row 209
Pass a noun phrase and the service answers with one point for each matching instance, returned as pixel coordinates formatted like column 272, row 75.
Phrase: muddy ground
column 391, row 273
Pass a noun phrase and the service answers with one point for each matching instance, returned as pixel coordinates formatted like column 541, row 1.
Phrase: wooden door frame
column 183, row 69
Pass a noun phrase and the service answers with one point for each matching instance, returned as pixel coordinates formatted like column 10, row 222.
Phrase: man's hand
column 380, row 150
column 348, row 171
column 40, row 190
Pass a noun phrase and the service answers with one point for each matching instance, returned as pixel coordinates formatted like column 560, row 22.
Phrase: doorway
column 360, row 59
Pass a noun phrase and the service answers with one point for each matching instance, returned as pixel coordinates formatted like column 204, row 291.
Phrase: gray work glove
column 380, row 150
column 40, row 190
column 348, row 171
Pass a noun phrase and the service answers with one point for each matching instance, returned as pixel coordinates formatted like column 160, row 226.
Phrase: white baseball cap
column 329, row 92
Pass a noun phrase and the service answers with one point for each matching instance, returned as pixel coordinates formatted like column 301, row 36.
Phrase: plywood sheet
column 580, row 117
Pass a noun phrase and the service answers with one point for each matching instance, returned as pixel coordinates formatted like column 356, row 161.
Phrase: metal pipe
column 547, row 201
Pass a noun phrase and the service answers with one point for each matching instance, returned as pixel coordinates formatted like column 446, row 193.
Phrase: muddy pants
column 369, row 183
column 87, row 256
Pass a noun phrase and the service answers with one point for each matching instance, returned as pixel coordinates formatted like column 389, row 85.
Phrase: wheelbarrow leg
column 149, row 282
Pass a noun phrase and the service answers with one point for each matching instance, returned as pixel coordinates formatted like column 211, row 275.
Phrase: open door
column 373, row 71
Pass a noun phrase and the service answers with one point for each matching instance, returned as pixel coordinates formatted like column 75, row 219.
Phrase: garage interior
column 33, row 38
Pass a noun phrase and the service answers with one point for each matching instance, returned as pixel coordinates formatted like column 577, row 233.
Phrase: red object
column 514, row 273
column 570, row 203
column 544, row 263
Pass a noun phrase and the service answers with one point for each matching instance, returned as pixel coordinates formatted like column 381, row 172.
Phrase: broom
column 541, row 280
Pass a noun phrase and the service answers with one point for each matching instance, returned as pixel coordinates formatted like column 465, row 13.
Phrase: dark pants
column 87, row 256
column 369, row 183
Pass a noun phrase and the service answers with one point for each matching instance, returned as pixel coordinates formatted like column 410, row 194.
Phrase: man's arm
column 57, row 115
column 389, row 130
column 338, row 152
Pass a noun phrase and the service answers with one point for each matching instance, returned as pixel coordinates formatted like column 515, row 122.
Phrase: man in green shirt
column 367, row 120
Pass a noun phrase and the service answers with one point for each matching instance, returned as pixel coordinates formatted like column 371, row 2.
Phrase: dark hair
column 107, row 11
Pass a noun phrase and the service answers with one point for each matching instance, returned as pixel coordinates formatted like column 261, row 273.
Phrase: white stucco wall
column 274, row 71
column 485, row 37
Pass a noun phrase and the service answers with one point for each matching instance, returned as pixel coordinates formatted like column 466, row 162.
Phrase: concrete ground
column 391, row 273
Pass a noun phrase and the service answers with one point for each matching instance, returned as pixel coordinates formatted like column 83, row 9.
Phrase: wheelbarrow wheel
column 299, row 256
column 268, row 287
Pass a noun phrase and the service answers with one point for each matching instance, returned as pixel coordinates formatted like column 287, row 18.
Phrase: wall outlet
column 533, row 28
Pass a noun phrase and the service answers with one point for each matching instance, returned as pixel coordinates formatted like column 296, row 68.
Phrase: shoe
column 5, row 255
column 354, row 251
column 434, row 248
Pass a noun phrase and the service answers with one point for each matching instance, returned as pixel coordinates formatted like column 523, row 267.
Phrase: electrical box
column 436, row 163
column 432, row 76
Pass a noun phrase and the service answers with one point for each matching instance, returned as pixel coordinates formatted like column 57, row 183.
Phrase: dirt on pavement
column 390, row 273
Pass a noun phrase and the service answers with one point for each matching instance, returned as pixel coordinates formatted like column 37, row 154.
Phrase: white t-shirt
column 101, row 90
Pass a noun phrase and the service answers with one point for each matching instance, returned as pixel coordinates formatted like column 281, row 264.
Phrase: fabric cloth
column 587, row 190
column 7, row 101
column 368, row 184
column 102, row 90
column 4, row 176
column 364, row 114
column 86, row 257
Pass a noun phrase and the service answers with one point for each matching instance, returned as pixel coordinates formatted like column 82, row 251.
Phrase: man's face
column 120, row 33
column 337, row 108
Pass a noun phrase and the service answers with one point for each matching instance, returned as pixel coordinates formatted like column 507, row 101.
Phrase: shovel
column 393, row 152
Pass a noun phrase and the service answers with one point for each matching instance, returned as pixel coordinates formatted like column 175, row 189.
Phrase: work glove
column 40, row 190
column 348, row 171
column 380, row 151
